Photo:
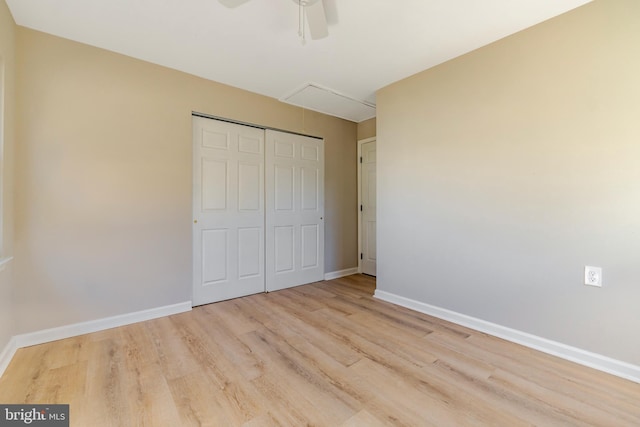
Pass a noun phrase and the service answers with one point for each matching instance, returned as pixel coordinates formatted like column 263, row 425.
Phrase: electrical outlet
column 593, row 276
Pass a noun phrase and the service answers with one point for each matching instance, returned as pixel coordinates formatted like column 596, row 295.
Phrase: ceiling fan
column 310, row 10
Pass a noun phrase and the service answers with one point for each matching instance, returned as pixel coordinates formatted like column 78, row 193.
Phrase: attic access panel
column 323, row 100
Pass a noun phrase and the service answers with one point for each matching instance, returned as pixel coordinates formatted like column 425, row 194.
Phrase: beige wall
column 7, row 62
column 367, row 129
column 502, row 173
column 104, row 179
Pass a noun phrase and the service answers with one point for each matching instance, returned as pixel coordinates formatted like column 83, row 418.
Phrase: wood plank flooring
column 325, row 354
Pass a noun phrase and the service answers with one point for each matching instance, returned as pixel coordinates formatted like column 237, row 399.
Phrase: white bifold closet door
column 295, row 210
column 233, row 253
column 228, row 208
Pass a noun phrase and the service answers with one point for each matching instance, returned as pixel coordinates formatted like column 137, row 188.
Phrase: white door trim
column 358, row 160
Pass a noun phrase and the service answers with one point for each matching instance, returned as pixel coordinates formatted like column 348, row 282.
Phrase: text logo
column 34, row 415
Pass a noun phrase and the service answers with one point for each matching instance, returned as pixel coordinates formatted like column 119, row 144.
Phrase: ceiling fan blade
column 317, row 20
column 232, row 3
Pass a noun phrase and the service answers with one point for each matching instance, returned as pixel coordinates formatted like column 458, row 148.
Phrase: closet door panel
column 228, row 210
column 294, row 210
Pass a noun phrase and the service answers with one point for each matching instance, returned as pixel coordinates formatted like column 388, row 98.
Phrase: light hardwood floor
column 325, row 354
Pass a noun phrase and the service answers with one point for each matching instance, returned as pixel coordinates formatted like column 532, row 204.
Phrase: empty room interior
column 320, row 212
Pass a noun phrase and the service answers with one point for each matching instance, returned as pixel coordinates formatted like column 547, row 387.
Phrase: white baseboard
column 53, row 334
column 67, row 331
column 573, row 354
column 340, row 273
column 7, row 354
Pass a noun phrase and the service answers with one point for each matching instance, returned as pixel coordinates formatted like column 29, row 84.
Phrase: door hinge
column 360, row 159
column 360, row 255
column 360, row 208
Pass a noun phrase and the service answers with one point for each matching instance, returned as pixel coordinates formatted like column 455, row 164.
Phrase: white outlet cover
column 593, row 276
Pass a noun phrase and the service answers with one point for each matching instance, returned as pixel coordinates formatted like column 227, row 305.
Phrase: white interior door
column 228, row 210
column 368, row 220
column 295, row 210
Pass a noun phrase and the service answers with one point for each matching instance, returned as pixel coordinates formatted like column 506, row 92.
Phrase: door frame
column 361, row 142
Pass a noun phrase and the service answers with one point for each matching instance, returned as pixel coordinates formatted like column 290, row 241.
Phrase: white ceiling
column 255, row 46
